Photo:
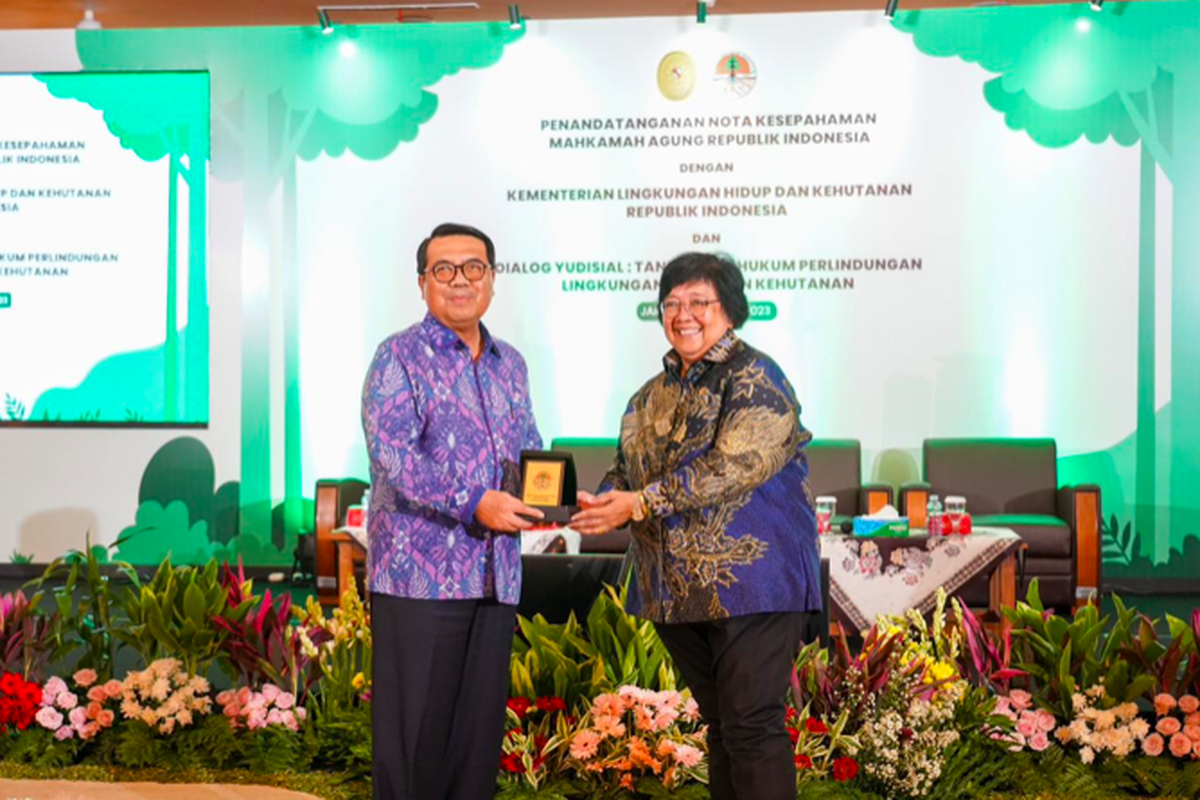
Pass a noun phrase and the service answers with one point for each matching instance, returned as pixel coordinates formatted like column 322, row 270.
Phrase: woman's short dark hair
column 717, row 269
column 454, row 229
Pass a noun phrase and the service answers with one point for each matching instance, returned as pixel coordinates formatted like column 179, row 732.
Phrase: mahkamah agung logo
column 676, row 75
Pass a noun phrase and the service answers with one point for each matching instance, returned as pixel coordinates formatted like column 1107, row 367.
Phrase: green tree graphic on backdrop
column 159, row 115
column 280, row 94
column 1130, row 73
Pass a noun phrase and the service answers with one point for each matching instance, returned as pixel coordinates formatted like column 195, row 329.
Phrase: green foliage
column 975, row 766
column 551, row 660
column 274, row 749
column 558, row 790
column 343, row 740
column 14, row 409
column 89, row 621
column 37, row 746
column 1063, row 657
column 172, row 615
column 20, row 558
column 576, row 664
column 627, row 648
column 210, row 743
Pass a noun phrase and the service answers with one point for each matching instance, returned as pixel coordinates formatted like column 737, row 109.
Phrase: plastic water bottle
column 366, row 507
column 934, row 518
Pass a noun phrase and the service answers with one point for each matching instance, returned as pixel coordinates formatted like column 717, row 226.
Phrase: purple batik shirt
column 442, row 429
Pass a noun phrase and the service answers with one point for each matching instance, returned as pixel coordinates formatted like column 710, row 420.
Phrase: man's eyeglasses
column 697, row 306
column 445, row 272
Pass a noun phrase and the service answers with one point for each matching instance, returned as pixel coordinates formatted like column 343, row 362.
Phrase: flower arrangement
column 164, row 696
column 903, row 746
column 67, row 716
column 340, row 645
column 271, row 706
column 19, row 702
column 1031, row 727
column 1116, row 730
column 528, row 758
column 816, row 748
column 1177, row 735
column 634, row 735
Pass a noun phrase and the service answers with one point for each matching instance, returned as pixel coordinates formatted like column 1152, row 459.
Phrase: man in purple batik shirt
column 446, row 413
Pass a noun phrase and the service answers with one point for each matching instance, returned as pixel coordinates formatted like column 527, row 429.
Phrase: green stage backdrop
column 965, row 223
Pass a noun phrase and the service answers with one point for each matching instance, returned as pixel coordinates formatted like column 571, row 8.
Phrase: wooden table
column 351, row 545
column 870, row 576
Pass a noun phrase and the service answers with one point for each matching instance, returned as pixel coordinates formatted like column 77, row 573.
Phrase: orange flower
column 627, row 781
column 639, row 754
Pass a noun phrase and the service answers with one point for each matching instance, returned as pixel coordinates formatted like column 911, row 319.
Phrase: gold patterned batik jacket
column 720, row 457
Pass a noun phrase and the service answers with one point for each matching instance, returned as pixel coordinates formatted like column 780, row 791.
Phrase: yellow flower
column 359, row 681
column 941, row 671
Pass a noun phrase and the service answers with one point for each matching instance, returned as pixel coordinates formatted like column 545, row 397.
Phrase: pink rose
column 97, row 694
column 93, row 710
column 301, row 713
column 270, row 691
column 53, row 688
column 1189, row 704
column 1020, row 699
column 64, row 733
column 106, row 718
column 1163, row 704
column 1039, row 741
column 274, row 717
column 1168, row 726
column 88, row 731
column 285, row 700
column 1027, row 725
column 1045, row 720
column 225, row 697
column 243, row 695
column 1153, row 745
column 49, row 718
column 66, row 701
column 84, row 677
column 1180, row 745
column 78, row 717
column 114, row 689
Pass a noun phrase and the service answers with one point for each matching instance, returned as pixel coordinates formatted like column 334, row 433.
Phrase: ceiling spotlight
column 89, row 22
column 701, row 12
column 514, row 17
column 1097, row 5
column 889, row 11
column 323, row 21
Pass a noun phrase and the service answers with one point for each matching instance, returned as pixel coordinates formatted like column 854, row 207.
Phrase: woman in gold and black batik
column 711, row 473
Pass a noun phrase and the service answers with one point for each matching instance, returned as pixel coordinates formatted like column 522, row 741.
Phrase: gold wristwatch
column 641, row 509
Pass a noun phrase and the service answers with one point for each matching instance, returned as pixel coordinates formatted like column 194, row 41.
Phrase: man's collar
column 719, row 353
column 443, row 338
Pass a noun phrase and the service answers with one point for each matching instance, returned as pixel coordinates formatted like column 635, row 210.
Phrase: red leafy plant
column 265, row 647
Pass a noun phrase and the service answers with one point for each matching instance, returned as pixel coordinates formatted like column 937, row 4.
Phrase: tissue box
column 864, row 526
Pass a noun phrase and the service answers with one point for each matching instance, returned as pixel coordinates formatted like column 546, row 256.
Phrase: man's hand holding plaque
column 548, row 484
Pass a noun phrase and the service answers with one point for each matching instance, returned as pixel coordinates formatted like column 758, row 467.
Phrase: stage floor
column 82, row 790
